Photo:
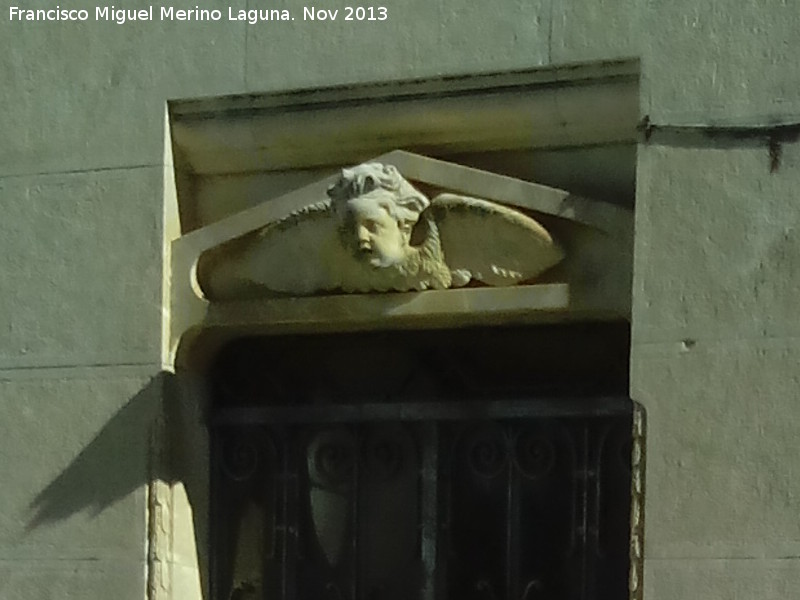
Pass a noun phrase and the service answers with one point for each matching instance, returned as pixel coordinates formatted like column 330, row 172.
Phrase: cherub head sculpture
column 361, row 241
column 377, row 210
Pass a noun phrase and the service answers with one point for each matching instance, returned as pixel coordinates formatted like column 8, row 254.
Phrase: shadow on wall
column 167, row 431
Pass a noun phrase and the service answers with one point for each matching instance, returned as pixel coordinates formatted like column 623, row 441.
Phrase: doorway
column 485, row 462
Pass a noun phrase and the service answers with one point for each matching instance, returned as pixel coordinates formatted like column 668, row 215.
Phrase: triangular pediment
column 591, row 237
column 440, row 174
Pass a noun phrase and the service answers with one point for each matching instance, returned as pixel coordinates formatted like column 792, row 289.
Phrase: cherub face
column 378, row 237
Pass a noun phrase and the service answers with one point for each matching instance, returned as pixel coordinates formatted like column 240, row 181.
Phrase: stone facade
column 85, row 510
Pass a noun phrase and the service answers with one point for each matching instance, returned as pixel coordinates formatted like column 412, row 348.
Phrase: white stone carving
column 377, row 232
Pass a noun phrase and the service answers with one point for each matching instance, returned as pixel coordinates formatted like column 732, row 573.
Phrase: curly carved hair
column 407, row 201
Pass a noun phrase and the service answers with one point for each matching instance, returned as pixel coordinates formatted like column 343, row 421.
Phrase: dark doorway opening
column 489, row 463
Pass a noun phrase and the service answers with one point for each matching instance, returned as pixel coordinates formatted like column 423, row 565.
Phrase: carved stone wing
column 490, row 242
column 299, row 255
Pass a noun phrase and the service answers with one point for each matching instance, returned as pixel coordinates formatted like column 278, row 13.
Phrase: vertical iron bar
column 283, row 477
column 596, row 474
column 584, row 491
column 215, row 537
column 430, row 505
column 356, row 564
column 290, row 522
column 513, row 527
column 600, row 446
column 444, row 451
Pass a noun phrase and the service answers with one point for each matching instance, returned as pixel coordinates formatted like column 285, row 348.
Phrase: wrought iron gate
column 516, row 498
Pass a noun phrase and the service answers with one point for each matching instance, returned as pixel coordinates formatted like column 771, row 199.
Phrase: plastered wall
column 715, row 322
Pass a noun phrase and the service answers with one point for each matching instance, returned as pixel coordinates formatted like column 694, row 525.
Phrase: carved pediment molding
column 594, row 278
column 450, row 176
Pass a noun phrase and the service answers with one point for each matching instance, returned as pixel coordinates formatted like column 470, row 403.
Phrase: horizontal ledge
column 504, row 112
column 465, row 305
column 538, row 304
column 427, row 411
column 313, row 98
